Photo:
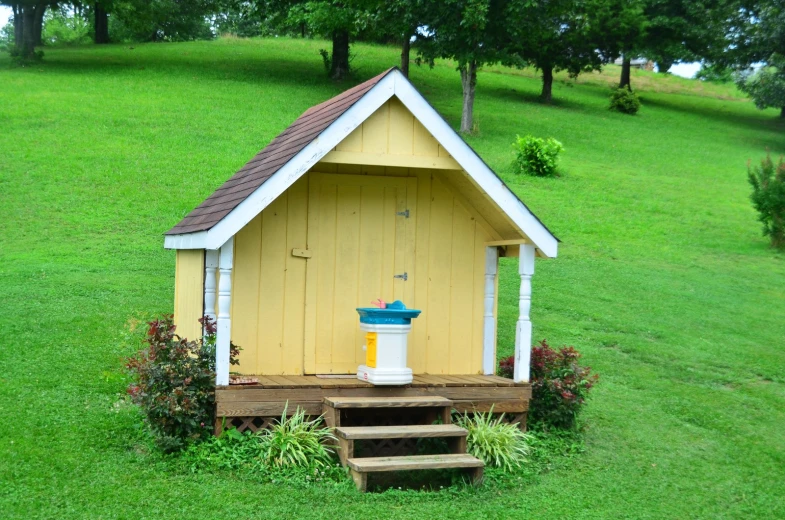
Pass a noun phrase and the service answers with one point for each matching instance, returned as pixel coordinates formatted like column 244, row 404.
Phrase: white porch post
column 223, row 333
column 210, row 267
column 489, row 320
column 523, row 330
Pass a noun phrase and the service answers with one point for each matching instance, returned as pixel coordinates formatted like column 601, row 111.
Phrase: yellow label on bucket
column 370, row 349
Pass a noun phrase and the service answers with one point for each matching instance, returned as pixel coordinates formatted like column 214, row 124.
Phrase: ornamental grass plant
column 296, row 441
column 494, row 441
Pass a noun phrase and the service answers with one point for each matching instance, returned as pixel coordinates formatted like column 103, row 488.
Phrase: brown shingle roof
column 280, row 150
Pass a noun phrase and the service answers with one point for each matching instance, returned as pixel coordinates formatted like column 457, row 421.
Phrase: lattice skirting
column 387, row 447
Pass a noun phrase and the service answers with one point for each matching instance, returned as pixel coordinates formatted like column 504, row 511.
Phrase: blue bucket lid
column 396, row 313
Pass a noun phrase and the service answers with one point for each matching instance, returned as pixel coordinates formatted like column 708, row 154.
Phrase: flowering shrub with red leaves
column 507, row 367
column 174, row 383
column 560, row 385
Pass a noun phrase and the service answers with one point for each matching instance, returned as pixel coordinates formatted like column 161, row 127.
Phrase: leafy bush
column 494, row 441
column 766, row 86
column 624, row 100
column 537, row 156
column 240, row 453
column 64, row 28
column 560, row 386
column 715, row 73
column 6, row 37
column 296, row 441
column 768, row 197
column 231, row 450
column 507, row 367
column 174, row 383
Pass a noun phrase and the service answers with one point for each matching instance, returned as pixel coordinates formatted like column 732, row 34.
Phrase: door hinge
column 404, row 276
column 404, row 214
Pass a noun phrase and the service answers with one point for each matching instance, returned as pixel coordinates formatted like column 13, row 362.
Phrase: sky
column 685, row 70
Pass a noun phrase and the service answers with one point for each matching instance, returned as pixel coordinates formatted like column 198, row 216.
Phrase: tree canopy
column 575, row 36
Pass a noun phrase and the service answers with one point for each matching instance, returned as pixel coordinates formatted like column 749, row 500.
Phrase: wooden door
column 361, row 236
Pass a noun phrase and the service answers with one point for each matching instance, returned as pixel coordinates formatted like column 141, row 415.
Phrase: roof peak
column 311, row 136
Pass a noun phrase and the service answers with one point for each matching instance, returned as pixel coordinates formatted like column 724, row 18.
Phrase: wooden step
column 361, row 467
column 417, row 431
column 388, row 402
column 347, row 435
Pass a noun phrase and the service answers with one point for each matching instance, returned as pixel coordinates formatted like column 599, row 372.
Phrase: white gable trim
column 396, row 84
column 488, row 181
column 297, row 166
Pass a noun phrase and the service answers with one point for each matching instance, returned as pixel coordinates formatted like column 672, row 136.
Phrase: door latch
column 404, row 214
column 404, row 276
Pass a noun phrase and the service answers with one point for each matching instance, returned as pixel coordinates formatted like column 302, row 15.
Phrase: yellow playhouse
column 368, row 195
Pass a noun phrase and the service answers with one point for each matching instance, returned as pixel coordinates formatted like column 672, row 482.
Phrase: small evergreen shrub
column 624, row 100
column 295, row 441
column 495, row 442
column 537, row 156
column 174, row 383
column 768, row 198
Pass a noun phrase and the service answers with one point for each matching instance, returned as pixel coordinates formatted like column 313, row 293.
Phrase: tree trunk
column 38, row 25
column 469, row 83
column 547, row 84
column 25, row 45
column 782, row 112
column 625, row 73
column 405, row 48
column 18, row 32
column 101, row 26
column 339, row 65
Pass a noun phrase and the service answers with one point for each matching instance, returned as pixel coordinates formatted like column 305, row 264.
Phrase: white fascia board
column 474, row 166
column 289, row 172
column 187, row 241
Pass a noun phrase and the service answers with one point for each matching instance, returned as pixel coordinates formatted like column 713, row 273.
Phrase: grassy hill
column 663, row 281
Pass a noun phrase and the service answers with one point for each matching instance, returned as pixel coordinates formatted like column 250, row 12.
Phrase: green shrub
column 296, row 441
column 240, row 453
column 715, row 73
column 62, row 28
column 231, row 450
column 560, row 386
column 174, row 383
column 537, row 156
column 495, row 442
column 768, row 197
column 624, row 100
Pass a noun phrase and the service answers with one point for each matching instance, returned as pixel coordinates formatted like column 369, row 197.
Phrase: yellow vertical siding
column 358, row 244
column 268, row 292
column 189, row 292
column 445, row 232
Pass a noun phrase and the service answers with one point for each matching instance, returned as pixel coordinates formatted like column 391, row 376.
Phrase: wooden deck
column 268, row 398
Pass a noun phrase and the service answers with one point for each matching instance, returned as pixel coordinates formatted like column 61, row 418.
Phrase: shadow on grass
column 202, row 63
column 760, row 122
column 517, row 96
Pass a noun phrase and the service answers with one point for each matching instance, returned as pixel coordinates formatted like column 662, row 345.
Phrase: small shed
column 368, row 195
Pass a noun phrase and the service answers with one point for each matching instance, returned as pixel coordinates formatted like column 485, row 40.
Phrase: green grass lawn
column 663, row 280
